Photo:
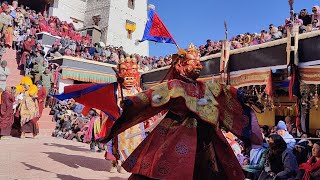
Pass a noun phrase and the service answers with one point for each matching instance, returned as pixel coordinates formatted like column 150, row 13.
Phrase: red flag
column 156, row 30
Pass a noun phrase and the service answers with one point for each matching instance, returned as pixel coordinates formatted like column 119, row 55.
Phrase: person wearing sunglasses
column 305, row 17
column 315, row 24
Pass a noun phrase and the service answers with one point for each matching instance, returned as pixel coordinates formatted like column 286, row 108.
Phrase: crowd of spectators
column 286, row 153
column 17, row 24
column 306, row 22
column 281, row 156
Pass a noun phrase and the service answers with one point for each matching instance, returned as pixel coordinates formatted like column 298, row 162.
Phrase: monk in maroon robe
column 27, row 48
column 42, row 95
column 6, row 112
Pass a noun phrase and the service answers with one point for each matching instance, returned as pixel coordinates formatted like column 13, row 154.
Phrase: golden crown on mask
column 191, row 49
column 124, row 63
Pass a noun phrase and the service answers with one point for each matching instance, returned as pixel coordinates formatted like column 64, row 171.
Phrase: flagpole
column 225, row 53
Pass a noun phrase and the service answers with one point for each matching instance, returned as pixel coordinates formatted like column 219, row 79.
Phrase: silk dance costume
column 120, row 147
column 187, row 143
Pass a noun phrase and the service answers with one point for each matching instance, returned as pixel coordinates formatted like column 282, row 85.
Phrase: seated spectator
column 303, row 150
column 289, row 123
column 208, row 44
column 265, row 131
column 275, row 34
column 283, row 132
column 265, row 36
column 302, row 28
column 316, row 14
column 273, row 130
column 280, row 162
column 315, row 24
column 311, row 169
column 257, row 161
column 317, row 133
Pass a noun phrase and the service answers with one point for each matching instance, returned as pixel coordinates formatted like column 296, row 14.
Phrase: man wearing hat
column 283, row 132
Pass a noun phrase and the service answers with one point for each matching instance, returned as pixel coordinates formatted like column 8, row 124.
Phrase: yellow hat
column 19, row 89
column 33, row 90
column 26, row 80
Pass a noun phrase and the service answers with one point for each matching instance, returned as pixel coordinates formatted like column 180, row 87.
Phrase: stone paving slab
column 49, row 158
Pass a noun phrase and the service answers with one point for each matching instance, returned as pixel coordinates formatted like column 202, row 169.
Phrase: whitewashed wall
column 114, row 14
column 117, row 33
column 64, row 9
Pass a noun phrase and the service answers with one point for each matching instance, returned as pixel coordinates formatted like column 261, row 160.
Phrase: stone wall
column 97, row 7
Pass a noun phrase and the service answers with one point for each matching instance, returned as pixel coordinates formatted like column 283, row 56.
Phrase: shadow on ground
column 76, row 161
column 70, row 147
column 60, row 176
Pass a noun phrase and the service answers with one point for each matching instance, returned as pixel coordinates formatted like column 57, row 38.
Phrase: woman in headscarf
column 316, row 14
column 311, row 169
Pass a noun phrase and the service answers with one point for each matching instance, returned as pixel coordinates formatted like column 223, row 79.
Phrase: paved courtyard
column 49, row 158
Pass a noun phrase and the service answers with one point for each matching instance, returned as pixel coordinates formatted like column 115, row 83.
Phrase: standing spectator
column 6, row 112
column 306, row 18
column 311, row 169
column 2, row 48
column 4, row 73
column 27, row 49
column 283, row 132
column 280, row 162
column 47, row 80
column 8, row 35
column 5, row 20
column 42, row 95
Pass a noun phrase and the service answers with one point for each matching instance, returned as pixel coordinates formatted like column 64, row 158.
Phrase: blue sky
column 196, row 21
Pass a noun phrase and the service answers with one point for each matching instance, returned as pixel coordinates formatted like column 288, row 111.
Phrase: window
column 90, row 32
column 131, row 4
